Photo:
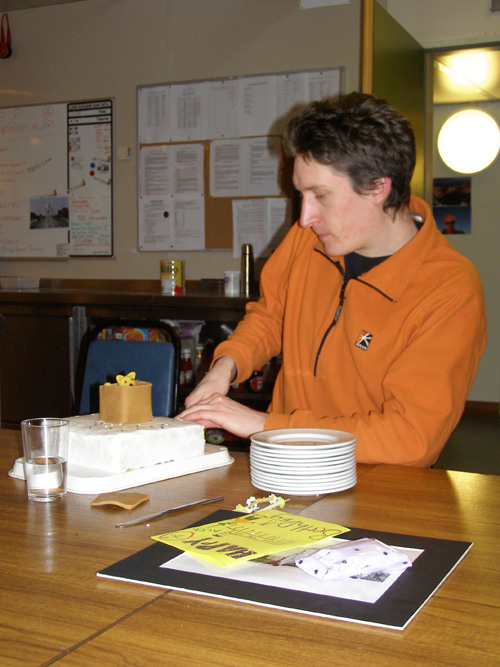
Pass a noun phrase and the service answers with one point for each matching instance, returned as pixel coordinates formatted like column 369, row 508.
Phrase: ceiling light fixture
column 469, row 141
column 457, row 78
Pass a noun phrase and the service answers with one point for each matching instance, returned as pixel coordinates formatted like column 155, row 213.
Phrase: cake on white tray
column 116, row 448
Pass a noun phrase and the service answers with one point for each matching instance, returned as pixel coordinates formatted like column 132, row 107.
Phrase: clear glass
column 45, row 445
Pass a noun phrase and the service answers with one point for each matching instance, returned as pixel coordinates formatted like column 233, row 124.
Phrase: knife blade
column 170, row 510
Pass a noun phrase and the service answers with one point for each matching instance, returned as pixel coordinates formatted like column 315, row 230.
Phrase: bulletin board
column 56, row 180
column 211, row 172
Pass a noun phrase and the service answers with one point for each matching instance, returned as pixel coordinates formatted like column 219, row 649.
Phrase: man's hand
column 218, row 411
column 216, row 381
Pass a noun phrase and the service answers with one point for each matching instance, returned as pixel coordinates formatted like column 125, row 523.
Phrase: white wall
column 482, row 246
column 448, row 23
column 443, row 23
column 103, row 48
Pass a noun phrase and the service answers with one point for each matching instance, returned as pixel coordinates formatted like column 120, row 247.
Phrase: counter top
column 203, row 300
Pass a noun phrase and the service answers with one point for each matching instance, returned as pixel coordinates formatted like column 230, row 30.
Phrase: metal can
column 172, row 277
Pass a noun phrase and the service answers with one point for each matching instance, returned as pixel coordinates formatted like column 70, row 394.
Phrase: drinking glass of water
column 45, row 444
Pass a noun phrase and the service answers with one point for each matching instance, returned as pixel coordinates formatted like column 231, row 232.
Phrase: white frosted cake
column 115, row 448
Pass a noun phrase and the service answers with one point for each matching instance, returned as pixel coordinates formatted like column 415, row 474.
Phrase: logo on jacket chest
column 364, row 339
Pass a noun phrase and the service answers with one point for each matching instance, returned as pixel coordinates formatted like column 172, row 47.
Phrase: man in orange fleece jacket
column 381, row 322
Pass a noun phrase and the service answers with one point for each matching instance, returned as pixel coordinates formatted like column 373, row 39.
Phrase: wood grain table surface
column 53, row 608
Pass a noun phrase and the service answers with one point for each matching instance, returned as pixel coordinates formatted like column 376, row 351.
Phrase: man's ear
column 381, row 189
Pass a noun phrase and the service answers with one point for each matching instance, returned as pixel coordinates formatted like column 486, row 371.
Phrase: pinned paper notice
column 250, row 536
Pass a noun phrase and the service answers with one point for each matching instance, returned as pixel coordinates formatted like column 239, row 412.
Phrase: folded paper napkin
column 126, row 500
column 357, row 558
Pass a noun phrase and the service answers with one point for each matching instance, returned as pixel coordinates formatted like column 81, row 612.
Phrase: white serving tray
column 86, row 480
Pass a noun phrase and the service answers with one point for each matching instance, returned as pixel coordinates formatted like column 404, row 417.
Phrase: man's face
column 449, row 225
column 343, row 220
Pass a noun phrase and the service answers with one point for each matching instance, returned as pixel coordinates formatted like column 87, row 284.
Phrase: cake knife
column 155, row 515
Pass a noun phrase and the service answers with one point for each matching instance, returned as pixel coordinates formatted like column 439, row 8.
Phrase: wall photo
column 451, row 204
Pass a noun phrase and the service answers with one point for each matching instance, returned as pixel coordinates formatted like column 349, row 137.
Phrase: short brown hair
column 361, row 136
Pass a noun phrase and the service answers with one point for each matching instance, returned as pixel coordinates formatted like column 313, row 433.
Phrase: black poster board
column 394, row 609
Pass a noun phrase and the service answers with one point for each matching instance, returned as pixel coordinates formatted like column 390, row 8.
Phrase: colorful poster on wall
column 90, row 161
column 56, row 181
column 452, row 204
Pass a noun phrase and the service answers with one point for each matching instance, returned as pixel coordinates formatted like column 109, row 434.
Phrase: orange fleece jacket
column 391, row 360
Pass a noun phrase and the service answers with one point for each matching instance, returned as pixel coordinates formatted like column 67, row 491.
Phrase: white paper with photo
column 367, row 590
column 155, row 223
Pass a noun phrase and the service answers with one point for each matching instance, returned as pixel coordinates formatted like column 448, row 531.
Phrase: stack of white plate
column 303, row 462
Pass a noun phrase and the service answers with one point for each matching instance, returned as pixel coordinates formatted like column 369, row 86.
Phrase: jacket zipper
column 334, row 322
column 339, row 307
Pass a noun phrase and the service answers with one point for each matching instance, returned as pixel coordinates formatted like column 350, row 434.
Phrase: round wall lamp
column 469, row 141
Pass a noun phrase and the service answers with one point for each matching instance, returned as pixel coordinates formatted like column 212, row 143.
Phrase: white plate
column 85, row 480
column 310, row 453
column 330, row 481
column 327, row 463
column 306, row 483
column 293, row 491
column 301, row 437
column 280, row 479
column 295, row 473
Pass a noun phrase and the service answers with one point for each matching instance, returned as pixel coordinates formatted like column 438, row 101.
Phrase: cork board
column 160, row 124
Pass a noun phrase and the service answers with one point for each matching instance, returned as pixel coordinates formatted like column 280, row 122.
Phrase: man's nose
column 307, row 213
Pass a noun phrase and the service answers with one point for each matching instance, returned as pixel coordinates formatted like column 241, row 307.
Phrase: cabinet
column 35, row 366
column 39, row 347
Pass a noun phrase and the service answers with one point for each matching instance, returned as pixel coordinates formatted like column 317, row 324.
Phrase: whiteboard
column 56, row 194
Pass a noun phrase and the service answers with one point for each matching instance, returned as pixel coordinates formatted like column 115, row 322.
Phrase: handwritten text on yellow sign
column 250, row 536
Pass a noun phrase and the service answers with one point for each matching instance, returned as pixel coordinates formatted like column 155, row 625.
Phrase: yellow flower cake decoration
column 124, row 380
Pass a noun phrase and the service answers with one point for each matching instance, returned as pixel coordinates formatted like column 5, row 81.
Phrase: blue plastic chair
column 155, row 362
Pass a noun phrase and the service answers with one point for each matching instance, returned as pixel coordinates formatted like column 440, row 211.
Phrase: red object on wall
column 5, row 42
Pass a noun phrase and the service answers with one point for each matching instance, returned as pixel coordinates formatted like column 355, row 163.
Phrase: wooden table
column 55, row 610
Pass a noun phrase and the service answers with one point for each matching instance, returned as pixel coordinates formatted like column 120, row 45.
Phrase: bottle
column 186, row 375
column 255, row 382
column 199, row 370
column 246, row 269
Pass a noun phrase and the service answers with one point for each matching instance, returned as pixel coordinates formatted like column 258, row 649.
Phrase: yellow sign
column 250, row 536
